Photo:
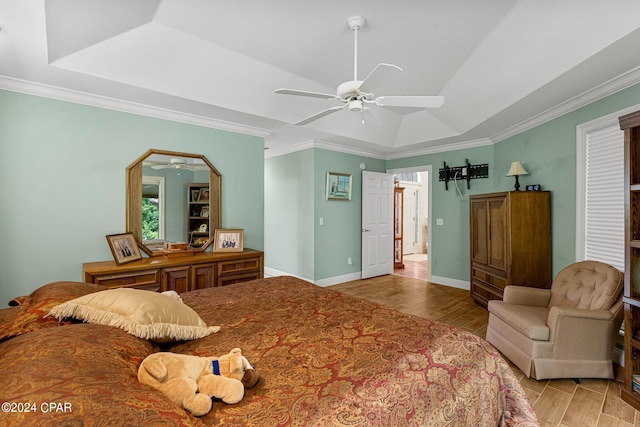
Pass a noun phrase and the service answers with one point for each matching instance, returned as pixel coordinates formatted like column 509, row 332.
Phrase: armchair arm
column 522, row 295
column 576, row 332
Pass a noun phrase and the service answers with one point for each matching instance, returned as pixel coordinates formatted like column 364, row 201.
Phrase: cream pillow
column 144, row 314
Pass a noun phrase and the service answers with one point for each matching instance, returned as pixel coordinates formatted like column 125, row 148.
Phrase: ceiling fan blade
column 306, row 93
column 320, row 115
column 379, row 75
column 410, row 101
column 160, row 166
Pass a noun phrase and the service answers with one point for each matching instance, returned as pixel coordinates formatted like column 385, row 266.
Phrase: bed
column 324, row 359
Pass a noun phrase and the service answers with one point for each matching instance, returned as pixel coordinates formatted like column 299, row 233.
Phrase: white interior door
column 409, row 221
column 377, row 224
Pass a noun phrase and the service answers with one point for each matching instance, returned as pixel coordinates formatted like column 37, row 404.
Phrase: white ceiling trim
column 464, row 145
column 48, row 91
column 62, row 94
column 614, row 85
column 276, row 152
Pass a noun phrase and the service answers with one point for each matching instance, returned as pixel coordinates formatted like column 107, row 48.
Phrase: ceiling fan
column 176, row 163
column 358, row 94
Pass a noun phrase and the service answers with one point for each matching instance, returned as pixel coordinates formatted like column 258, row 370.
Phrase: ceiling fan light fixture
column 355, row 93
column 356, row 105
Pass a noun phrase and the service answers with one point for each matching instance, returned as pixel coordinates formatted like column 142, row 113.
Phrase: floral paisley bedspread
column 329, row 359
column 324, row 358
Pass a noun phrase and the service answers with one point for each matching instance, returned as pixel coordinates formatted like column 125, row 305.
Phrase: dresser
column 510, row 242
column 181, row 273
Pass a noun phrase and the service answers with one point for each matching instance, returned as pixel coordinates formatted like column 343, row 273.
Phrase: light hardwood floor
column 563, row 403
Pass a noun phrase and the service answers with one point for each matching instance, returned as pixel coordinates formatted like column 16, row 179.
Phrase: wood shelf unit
column 630, row 124
column 198, row 214
column 510, row 242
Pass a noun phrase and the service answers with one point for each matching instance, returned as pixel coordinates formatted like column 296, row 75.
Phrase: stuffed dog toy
column 191, row 381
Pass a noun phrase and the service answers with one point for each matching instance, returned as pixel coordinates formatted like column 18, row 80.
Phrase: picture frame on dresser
column 228, row 240
column 124, row 248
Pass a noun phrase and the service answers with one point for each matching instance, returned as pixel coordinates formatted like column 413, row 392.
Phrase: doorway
column 416, row 238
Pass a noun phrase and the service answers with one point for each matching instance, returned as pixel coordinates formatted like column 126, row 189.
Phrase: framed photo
column 204, row 212
column 123, row 247
column 203, row 196
column 228, row 240
column 338, row 186
column 195, row 195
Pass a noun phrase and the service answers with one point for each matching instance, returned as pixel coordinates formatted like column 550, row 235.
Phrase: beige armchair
column 568, row 331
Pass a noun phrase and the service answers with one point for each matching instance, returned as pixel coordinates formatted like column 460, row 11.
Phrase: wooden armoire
column 510, row 242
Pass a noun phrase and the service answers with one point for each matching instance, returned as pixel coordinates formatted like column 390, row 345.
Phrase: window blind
column 604, row 196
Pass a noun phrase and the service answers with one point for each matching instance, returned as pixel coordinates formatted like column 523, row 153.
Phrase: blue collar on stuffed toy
column 216, row 367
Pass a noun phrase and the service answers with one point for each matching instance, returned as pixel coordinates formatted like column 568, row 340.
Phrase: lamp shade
column 517, row 169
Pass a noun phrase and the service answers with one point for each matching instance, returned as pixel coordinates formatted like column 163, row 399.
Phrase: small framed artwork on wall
column 124, row 248
column 338, row 186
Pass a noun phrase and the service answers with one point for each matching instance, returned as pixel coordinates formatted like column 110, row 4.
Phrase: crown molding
column 463, row 145
column 610, row 87
column 607, row 88
column 305, row 145
column 78, row 97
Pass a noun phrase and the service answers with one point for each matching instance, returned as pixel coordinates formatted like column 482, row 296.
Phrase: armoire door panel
column 479, row 234
column 497, row 209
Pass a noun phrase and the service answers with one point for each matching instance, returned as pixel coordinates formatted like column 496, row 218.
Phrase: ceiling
column 502, row 65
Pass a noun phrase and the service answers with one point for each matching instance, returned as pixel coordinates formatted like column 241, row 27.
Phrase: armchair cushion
column 587, row 284
column 529, row 321
column 522, row 295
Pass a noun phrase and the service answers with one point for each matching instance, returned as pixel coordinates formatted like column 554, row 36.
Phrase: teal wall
column 341, row 235
column 295, row 200
column 548, row 153
column 63, row 187
column 289, row 223
column 63, row 183
column 449, row 250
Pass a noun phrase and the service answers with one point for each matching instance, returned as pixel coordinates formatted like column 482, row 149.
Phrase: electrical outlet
column 349, row 261
column 439, row 221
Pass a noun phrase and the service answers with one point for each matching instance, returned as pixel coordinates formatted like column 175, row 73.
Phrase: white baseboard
column 454, row 283
column 338, row 279
column 272, row 272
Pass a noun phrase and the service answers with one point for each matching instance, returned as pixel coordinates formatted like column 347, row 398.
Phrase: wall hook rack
column 466, row 172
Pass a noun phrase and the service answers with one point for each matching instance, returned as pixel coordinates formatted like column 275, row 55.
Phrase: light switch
column 321, row 221
column 439, row 221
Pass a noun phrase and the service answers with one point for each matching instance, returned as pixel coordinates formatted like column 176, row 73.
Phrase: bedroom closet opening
column 415, row 222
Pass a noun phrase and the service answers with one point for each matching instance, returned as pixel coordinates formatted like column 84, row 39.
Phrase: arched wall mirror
column 173, row 197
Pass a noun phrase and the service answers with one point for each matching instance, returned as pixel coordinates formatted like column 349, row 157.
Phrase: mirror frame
column 134, row 198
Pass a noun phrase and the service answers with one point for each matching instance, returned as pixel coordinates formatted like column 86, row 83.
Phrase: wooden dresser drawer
column 147, row 279
column 238, row 266
column 237, row 278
